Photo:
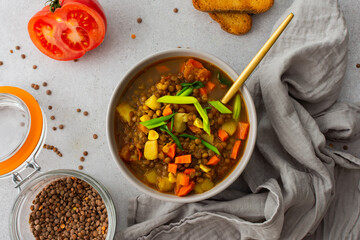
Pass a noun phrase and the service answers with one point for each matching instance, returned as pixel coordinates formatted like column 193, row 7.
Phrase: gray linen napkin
column 293, row 180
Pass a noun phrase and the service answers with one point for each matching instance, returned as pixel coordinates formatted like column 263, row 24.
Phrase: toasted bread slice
column 249, row 6
column 233, row 22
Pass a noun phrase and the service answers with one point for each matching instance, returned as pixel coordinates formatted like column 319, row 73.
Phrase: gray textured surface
column 88, row 84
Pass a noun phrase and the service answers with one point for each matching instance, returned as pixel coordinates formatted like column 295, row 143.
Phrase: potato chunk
column 164, row 184
column 180, row 120
column 151, row 150
column 152, row 103
column 124, row 110
column 229, row 127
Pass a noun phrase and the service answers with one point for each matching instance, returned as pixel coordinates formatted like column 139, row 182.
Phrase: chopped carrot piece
column 184, row 180
column 172, row 151
column 210, row 86
column 195, row 129
column 139, row 153
column 243, row 129
column 162, row 69
column 195, row 63
column 223, row 135
column 172, row 167
column 213, row 160
column 202, row 91
column 182, row 67
column 189, row 171
column 185, row 190
column 235, row 149
column 183, row 159
column 167, row 111
column 143, row 128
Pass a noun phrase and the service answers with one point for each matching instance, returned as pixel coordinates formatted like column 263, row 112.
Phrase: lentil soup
column 171, row 131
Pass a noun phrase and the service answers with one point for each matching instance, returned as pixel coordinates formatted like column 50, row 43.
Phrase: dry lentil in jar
column 68, row 208
column 171, row 131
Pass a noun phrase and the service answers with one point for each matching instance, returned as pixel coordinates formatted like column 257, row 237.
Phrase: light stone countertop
column 89, row 83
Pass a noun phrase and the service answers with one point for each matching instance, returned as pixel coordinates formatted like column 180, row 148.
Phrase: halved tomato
column 66, row 29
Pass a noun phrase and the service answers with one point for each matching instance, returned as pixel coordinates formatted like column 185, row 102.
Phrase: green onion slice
column 204, row 116
column 187, row 92
column 176, row 140
column 206, row 144
column 177, row 100
column 237, row 107
column 220, row 107
column 196, row 84
column 181, row 91
column 171, row 124
column 157, row 120
column 223, row 80
column 151, row 126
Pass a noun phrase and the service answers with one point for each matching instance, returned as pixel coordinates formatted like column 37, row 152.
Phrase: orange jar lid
column 21, row 127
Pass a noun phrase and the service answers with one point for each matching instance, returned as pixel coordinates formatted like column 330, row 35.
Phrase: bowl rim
column 179, row 52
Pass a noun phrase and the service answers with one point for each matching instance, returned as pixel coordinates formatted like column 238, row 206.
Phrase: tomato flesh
column 70, row 31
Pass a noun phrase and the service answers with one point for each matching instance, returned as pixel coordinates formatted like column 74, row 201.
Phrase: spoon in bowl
column 256, row 60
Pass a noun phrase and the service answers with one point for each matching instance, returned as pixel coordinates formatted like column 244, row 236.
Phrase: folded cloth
column 294, row 183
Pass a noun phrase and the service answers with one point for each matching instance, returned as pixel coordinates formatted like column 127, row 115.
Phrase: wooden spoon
column 256, row 60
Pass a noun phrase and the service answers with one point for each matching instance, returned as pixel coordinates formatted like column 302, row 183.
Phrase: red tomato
column 75, row 27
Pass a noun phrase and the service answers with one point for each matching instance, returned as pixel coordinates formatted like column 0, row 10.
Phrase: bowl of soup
column 169, row 132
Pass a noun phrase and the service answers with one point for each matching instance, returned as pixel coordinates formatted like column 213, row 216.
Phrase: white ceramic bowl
column 115, row 100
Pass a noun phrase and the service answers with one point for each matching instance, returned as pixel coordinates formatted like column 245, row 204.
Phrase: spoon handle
column 256, row 60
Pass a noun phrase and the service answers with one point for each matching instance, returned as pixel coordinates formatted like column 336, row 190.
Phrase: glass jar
column 19, row 218
column 22, row 136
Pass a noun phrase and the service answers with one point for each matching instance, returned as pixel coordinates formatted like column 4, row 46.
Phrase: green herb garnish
column 206, row 144
column 181, row 91
column 176, row 140
column 223, row 80
column 220, row 107
column 171, row 124
column 237, row 107
column 177, row 100
column 156, row 120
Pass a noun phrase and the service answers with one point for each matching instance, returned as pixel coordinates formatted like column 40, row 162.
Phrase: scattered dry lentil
column 52, row 117
column 75, row 60
column 54, row 128
column 32, row 85
column 85, row 153
column 81, row 167
column 358, row 65
column 61, row 126
column 78, row 110
column 17, row 47
column 82, row 159
column 23, row 56
column 44, row 84
column 36, row 87
column 345, row 147
column 1, row 63
column 176, row 10
column 34, row 67
column 48, row 92
column 22, row 124
column 139, row 20
column 86, row 113
column 11, row 51
column 50, row 107
column 133, row 36
column 95, row 136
